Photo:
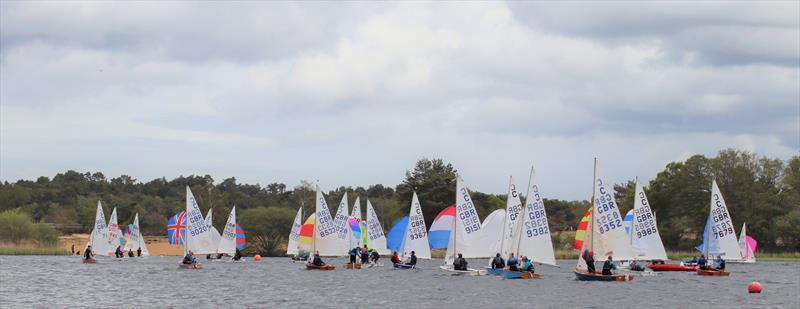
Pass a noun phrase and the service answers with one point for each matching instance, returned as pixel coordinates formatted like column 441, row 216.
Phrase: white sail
column 326, row 240
column 534, row 239
column 645, row 239
column 215, row 236
column 99, row 237
column 294, row 235
column 416, row 235
column 114, row 232
column 199, row 238
column 466, row 238
column 512, row 215
column 493, row 231
column 722, row 239
column 227, row 242
column 747, row 253
column 342, row 227
column 610, row 238
column 375, row 236
column 143, row 244
column 133, row 238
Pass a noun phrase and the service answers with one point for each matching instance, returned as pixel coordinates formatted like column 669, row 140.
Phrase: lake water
column 44, row 281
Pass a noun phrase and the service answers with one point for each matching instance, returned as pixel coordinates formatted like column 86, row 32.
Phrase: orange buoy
column 754, row 287
column 257, row 257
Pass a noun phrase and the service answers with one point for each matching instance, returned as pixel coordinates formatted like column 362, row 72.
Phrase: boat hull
column 671, row 267
column 190, row 266
column 520, row 275
column 582, row 276
column 323, row 267
column 494, row 271
column 704, row 272
column 469, row 271
column 352, row 266
column 89, row 261
column 404, row 266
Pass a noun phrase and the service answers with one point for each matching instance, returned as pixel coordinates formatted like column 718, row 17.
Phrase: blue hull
column 494, row 271
column 597, row 277
column 511, row 274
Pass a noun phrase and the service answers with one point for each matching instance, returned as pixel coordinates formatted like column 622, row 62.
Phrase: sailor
column 395, row 259
column 702, row 263
column 237, row 255
column 588, row 257
column 189, row 258
column 88, row 254
column 364, row 255
column 719, row 263
column 139, row 251
column 608, row 266
column 130, row 252
column 527, row 265
column 118, row 252
column 497, row 262
column 413, row 259
column 635, row 266
column 354, row 253
column 374, row 256
column 317, row 261
column 460, row 263
column 512, row 263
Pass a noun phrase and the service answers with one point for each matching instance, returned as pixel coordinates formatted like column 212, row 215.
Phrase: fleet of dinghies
column 519, row 230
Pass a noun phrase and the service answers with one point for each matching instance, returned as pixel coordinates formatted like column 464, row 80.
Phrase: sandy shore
column 157, row 245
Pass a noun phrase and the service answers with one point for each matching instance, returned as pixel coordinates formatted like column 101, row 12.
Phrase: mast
column 524, row 208
column 505, row 218
column 707, row 237
column 633, row 212
column 594, row 186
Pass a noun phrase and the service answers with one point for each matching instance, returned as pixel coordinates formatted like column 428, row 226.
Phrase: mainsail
column 340, row 221
column 532, row 236
column 215, row 236
column 747, row 246
column 114, row 232
column 645, row 239
column 493, row 231
column 377, row 240
column 325, row 237
column 466, row 238
column 416, row 235
column 719, row 237
column 99, row 237
column 199, row 238
column 294, row 235
column 227, row 242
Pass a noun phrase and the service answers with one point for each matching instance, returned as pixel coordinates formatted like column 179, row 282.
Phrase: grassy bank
column 33, row 251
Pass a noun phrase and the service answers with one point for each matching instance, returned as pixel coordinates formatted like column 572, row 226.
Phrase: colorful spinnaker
column 354, row 222
column 580, row 232
column 176, row 228
column 241, row 238
column 747, row 245
column 307, row 234
column 394, row 240
column 439, row 233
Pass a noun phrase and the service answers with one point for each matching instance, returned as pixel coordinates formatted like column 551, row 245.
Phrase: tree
column 267, row 229
column 435, row 184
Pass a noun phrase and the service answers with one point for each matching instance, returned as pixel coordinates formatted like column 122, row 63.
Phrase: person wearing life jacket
column 354, row 253
column 395, row 259
column 413, row 259
column 512, row 263
column 588, row 257
column 139, row 251
column 374, row 256
column 635, row 266
column 118, row 252
column 460, row 263
column 130, row 252
column 317, row 261
column 719, row 263
column 189, row 258
column 497, row 262
column 527, row 265
column 608, row 266
column 702, row 263
column 364, row 255
column 237, row 255
column 88, row 254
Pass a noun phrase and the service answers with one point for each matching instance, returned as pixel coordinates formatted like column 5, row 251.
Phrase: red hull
column 671, row 267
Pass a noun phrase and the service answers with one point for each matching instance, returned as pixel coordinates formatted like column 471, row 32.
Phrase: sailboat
column 530, row 235
column 467, row 238
column 415, row 237
column 114, row 233
column 199, row 237
column 135, row 240
column 492, row 228
column 324, row 238
column 747, row 246
column 375, row 235
column 98, row 239
column 356, row 233
column 502, row 244
column 227, row 241
column 605, row 233
column 719, row 237
column 292, row 248
column 645, row 239
column 215, row 235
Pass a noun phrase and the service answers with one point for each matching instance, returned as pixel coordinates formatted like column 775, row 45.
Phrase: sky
column 353, row 94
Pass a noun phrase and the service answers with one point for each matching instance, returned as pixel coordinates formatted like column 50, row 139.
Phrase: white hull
column 469, row 271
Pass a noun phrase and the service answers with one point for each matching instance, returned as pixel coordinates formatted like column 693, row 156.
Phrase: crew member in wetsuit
column 354, row 253
column 189, row 258
column 364, row 255
column 118, row 252
column 719, row 263
column 374, row 256
column 88, row 254
column 237, row 255
column 588, row 257
column 413, row 259
column 317, row 261
column 139, row 251
column 527, row 265
column 512, row 263
column 497, row 262
column 608, row 266
column 130, row 252
column 460, row 263
column 395, row 259
column 702, row 263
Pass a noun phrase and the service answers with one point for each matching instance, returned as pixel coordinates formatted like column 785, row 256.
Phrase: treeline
column 761, row 191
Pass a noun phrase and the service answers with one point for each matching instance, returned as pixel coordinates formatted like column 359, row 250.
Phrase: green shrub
column 15, row 226
column 44, row 234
